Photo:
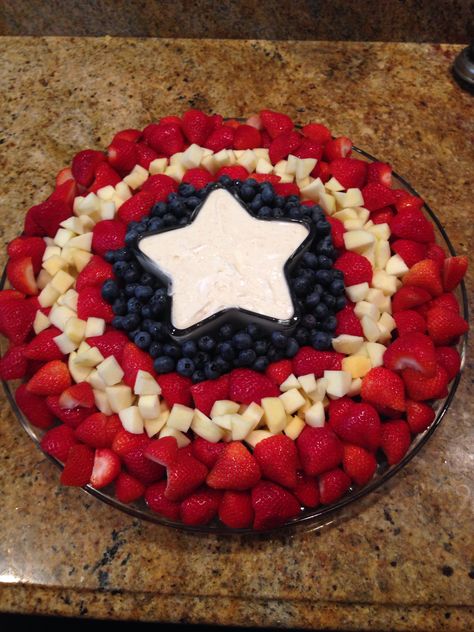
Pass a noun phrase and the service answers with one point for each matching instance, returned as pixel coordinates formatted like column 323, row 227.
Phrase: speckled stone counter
column 399, row 561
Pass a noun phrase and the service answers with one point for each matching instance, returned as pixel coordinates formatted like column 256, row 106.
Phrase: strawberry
column 16, row 318
column 309, row 360
column 140, row 467
column 33, row 247
column 122, row 155
column 309, row 149
column 322, row 171
column 111, row 342
column 235, row 510
column 200, row 507
column 134, row 360
column 382, row 387
column 65, row 175
column 246, row 137
column 58, row 441
column 76, row 395
column 70, row 416
column 185, row 474
column 437, row 254
column 198, row 177
column 163, row 451
column 420, row 388
column 286, row 188
column 236, row 172
column 65, row 192
column 84, row 165
column 358, row 464
column 33, row 407
column 409, row 297
column 160, row 186
column 347, row 322
column 235, row 468
column 360, row 426
column 95, row 273
column 273, row 505
column 450, row 360
column 206, row 393
column 350, row 172
column 337, row 232
column 13, row 364
column 306, row 490
column 276, row 123
column 206, row 452
column 136, row 208
column 6, row 295
column 409, row 321
column 109, row 234
column 339, row 408
column 51, row 379
column 425, row 274
column 124, row 442
column 396, row 439
column 128, row 488
column 167, row 120
column 340, row 147
column 283, row 145
column 279, row 371
column 254, row 120
column 145, row 155
column 104, row 176
column 407, row 202
column 247, row 386
column 415, row 351
column 410, row 251
column 221, row 138
column 454, row 269
column 265, row 177
column 106, row 468
column 444, row 326
column 317, row 132
column 319, row 450
column 412, row 224
column 376, row 196
column 21, row 275
column 43, row 346
column 446, row 301
column 379, row 172
column 333, row 485
column 156, row 500
column 99, row 430
column 78, row 466
column 355, row 268
column 175, row 389
column 196, row 126
column 165, row 138
column 277, row 457
column 90, row 303
column 132, row 135
column 383, row 215
column 419, row 416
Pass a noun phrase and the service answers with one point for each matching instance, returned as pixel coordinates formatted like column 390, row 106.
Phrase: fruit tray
column 311, row 517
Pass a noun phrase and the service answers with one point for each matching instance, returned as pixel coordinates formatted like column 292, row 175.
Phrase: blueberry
column 201, row 358
column 323, row 227
column 241, row 340
column 198, row 376
column 172, row 350
column 246, row 357
column 292, row 348
column 117, row 322
column 169, row 219
column 341, row 302
column 329, row 300
column 226, row 350
column 211, row 371
column 206, row 343
column 164, row 364
column 186, row 189
column 274, row 355
column 253, row 330
column 300, row 286
column 302, row 335
column 295, row 213
column 143, row 293
column 155, row 350
column 251, row 182
column 226, row 331
column 337, row 287
column 141, row 228
column 192, row 202
column 312, row 300
column 222, row 365
column 279, row 340
column 278, row 201
column 247, row 193
column 256, row 204
column 172, row 196
column 260, row 364
column 131, row 274
column 156, row 329
column 158, row 304
column 265, row 212
column 267, row 193
column 324, row 277
column 156, row 224
column 159, row 209
column 142, row 340
column 110, row 256
column 321, row 341
column 308, row 321
column 261, row 347
column 278, row 213
column 130, row 321
column 189, row 349
column 338, row 274
column 324, row 263
column 177, row 208
column 131, row 237
column 119, row 307
column 131, row 334
column 185, row 367
column 321, row 311
column 330, row 324
column 134, row 306
column 225, row 180
column 146, row 311
column 311, row 260
column 120, row 267
column 130, row 289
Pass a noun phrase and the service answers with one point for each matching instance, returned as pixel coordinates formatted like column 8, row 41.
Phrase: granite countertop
column 400, row 561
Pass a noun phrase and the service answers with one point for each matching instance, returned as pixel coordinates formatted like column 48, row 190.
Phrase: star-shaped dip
column 225, row 259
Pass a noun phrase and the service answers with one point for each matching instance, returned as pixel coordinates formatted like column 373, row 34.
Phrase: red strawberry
column 322, row 171
column 33, row 247
column 125, row 441
column 70, row 416
column 33, row 407
column 134, row 360
column 111, row 342
column 21, row 275
column 200, row 507
column 221, row 138
column 90, row 303
column 16, row 318
column 236, row 172
column 76, row 395
column 277, row 458
column 166, row 120
column 414, row 351
column 359, row 464
column 175, row 389
column 412, row 224
column 337, row 232
column 13, row 364
column 444, row 326
column 309, row 149
column 380, row 172
column 128, row 488
column 419, row 416
column 136, row 208
column 306, row 490
column 235, row 510
column 43, row 346
column 7, row 295
column 273, row 505
column 319, row 450
column 340, row 408
column 409, row 321
column 95, row 273
column 286, row 188
column 309, row 360
column 132, row 135
column 106, row 468
column 166, row 138
column 410, row 251
column 184, row 475
column 382, row 215
column 156, row 500
column 340, row 147
column 276, row 123
column 198, row 177
column 122, row 155
column 347, row 322
column 235, row 468
column 206, row 393
column 163, row 451
column 206, row 452
column 246, row 137
column 419, row 387
column 51, row 379
column 454, row 269
column 99, row 430
column 450, row 360
column 145, row 155
column 425, row 274
column 446, row 301
column 377, row 196
column 104, row 176
column 78, row 466
column 247, row 386
column 360, row 426
column 333, row 485
column 382, row 387
column 283, row 145
column 65, row 192
column 196, row 126
column 355, row 267
column 109, row 234
column 84, row 165
column 437, row 254
column 396, row 439
column 265, row 177
column 58, row 441
column 160, row 186
column 409, row 297
column 350, row 172
column 407, row 202
column 279, row 371
column 139, row 466
column 317, row 132
column 65, row 175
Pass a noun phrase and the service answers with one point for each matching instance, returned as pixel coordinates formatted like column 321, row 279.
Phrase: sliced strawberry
column 246, row 137
column 337, row 232
column 200, row 507
column 236, row 172
column 309, row 149
column 145, row 155
column 122, row 155
column 340, row 147
column 347, row 322
column 446, row 301
column 379, row 172
column 377, row 196
column 277, row 457
column 286, row 188
column 13, row 364
column 265, row 177
column 165, row 138
column 360, row 426
column 412, row 224
column 235, row 510
column 206, row 393
column 273, row 505
column 317, row 132
column 409, row 321
column 33, row 407
column 160, row 186
column 94, row 274
column 51, row 379
column 247, row 386
column 65, row 175
column 454, row 269
column 425, row 274
column 198, row 177
column 43, row 346
column 84, row 165
column 414, row 351
column 109, row 234
column 319, row 450
column 276, row 123
column 339, row 408
column 99, row 430
column 76, row 395
column 358, row 464
column 406, row 202
column 156, row 500
column 382, row 387
column 450, row 360
column 106, row 468
column 6, row 295
column 21, row 275
column 333, row 485
column 185, row 474
column 322, row 171
column 58, row 441
column 175, row 389
column 134, row 360
column 409, row 297
column 410, row 251
column 33, row 247
column 128, row 488
column 104, row 176
column 306, row 490
column 207, row 452
column 221, row 138
column 283, row 145
column 70, row 416
column 139, row 466
column 396, row 439
column 196, row 126
column 350, row 172
column 279, row 371
column 420, row 388
column 437, row 254
column 419, row 416
column 444, row 326
column 78, row 466
column 124, row 442
column 163, row 451
column 131, row 134
column 235, row 469
column 309, row 360
column 355, row 267
column 91, row 304
column 65, row 192
column 136, row 208
column 110, row 343
column 382, row 215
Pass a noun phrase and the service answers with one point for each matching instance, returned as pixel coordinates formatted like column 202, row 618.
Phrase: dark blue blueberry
column 177, row 208
column 142, row 340
column 134, row 306
column 172, row 350
column 110, row 256
column 146, row 311
column 261, row 347
column 158, row 303
column 206, row 343
column 324, row 263
column 267, row 193
column 211, row 371
column 330, row 324
column 130, row 321
column 341, row 302
column 164, row 364
column 119, row 307
column 308, row 321
column 325, row 247
column 253, row 330
column 226, row 331
column 198, row 376
column 156, row 329
column 186, row 189
column 169, row 219
column 292, row 348
column 274, row 355
column 324, row 277
column 307, row 210
column 192, row 202
column 265, row 212
column 317, row 214
column 156, row 224
column 251, row 182
column 323, row 227
column 172, row 196
column 120, row 267
column 117, row 322
column 142, row 227
column 246, row 357
column 110, row 290
column 131, row 274
column 279, row 340
column 201, row 358
column 338, row 274
column 247, row 193
column 307, row 273
column 260, row 364
column 226, row 350
column 131, row 237
column 185, row 366
column 242, row 340
column 132, row 334
column 295, row 213
column 302, row 335
column 321, row 311
column 159, row 209
column 225, row 180
column 279, row 201
column 256, row 204
column 130, row 289
column 155, row 350
column 189, row 349
column 300, row 286
column 310, row 260
column 222, row 365
column 321, row 341
column 337, row 287
column 143, row 293
column 329, row 300
column 278, row 213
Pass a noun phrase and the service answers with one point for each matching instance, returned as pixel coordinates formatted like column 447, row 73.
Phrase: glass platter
column 310, row 518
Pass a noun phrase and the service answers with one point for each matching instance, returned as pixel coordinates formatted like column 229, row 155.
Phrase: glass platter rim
column 316, row 518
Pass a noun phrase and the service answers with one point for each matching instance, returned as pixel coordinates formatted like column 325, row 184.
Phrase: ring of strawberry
column 390, row 391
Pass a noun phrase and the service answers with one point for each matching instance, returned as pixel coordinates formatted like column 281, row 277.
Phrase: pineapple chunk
column 364, row 308
column 96, row 381
column 338, row 383
column 290, row 382
column 91, row 357
column 65, row 344
column 314, row 416
column 153, row 426
column 131, row 419
column 145, row 384
column 60, row 315
column 308, row 383
column 119, row 396
column 396, row 266
column 254, row 437
column 253, row 413
column 41, row 322
column 75, row 328
column 224, row 407
column 274, row 414
column 292, row 400
column 205, row 428
column 181, row 438
column 54, row 264
column 149, row 406
column 370, row 329
column 294, row 427
column 94, row 327
column 110, row 371
column 180, row 417
column 357, row 292
column 240, row 427
column 357, row 366
column 69, row 299
column 345, row 343
column 357, row 240
column 157, row 166
column 375, row 351
column 79, row 373
column 102, row 402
